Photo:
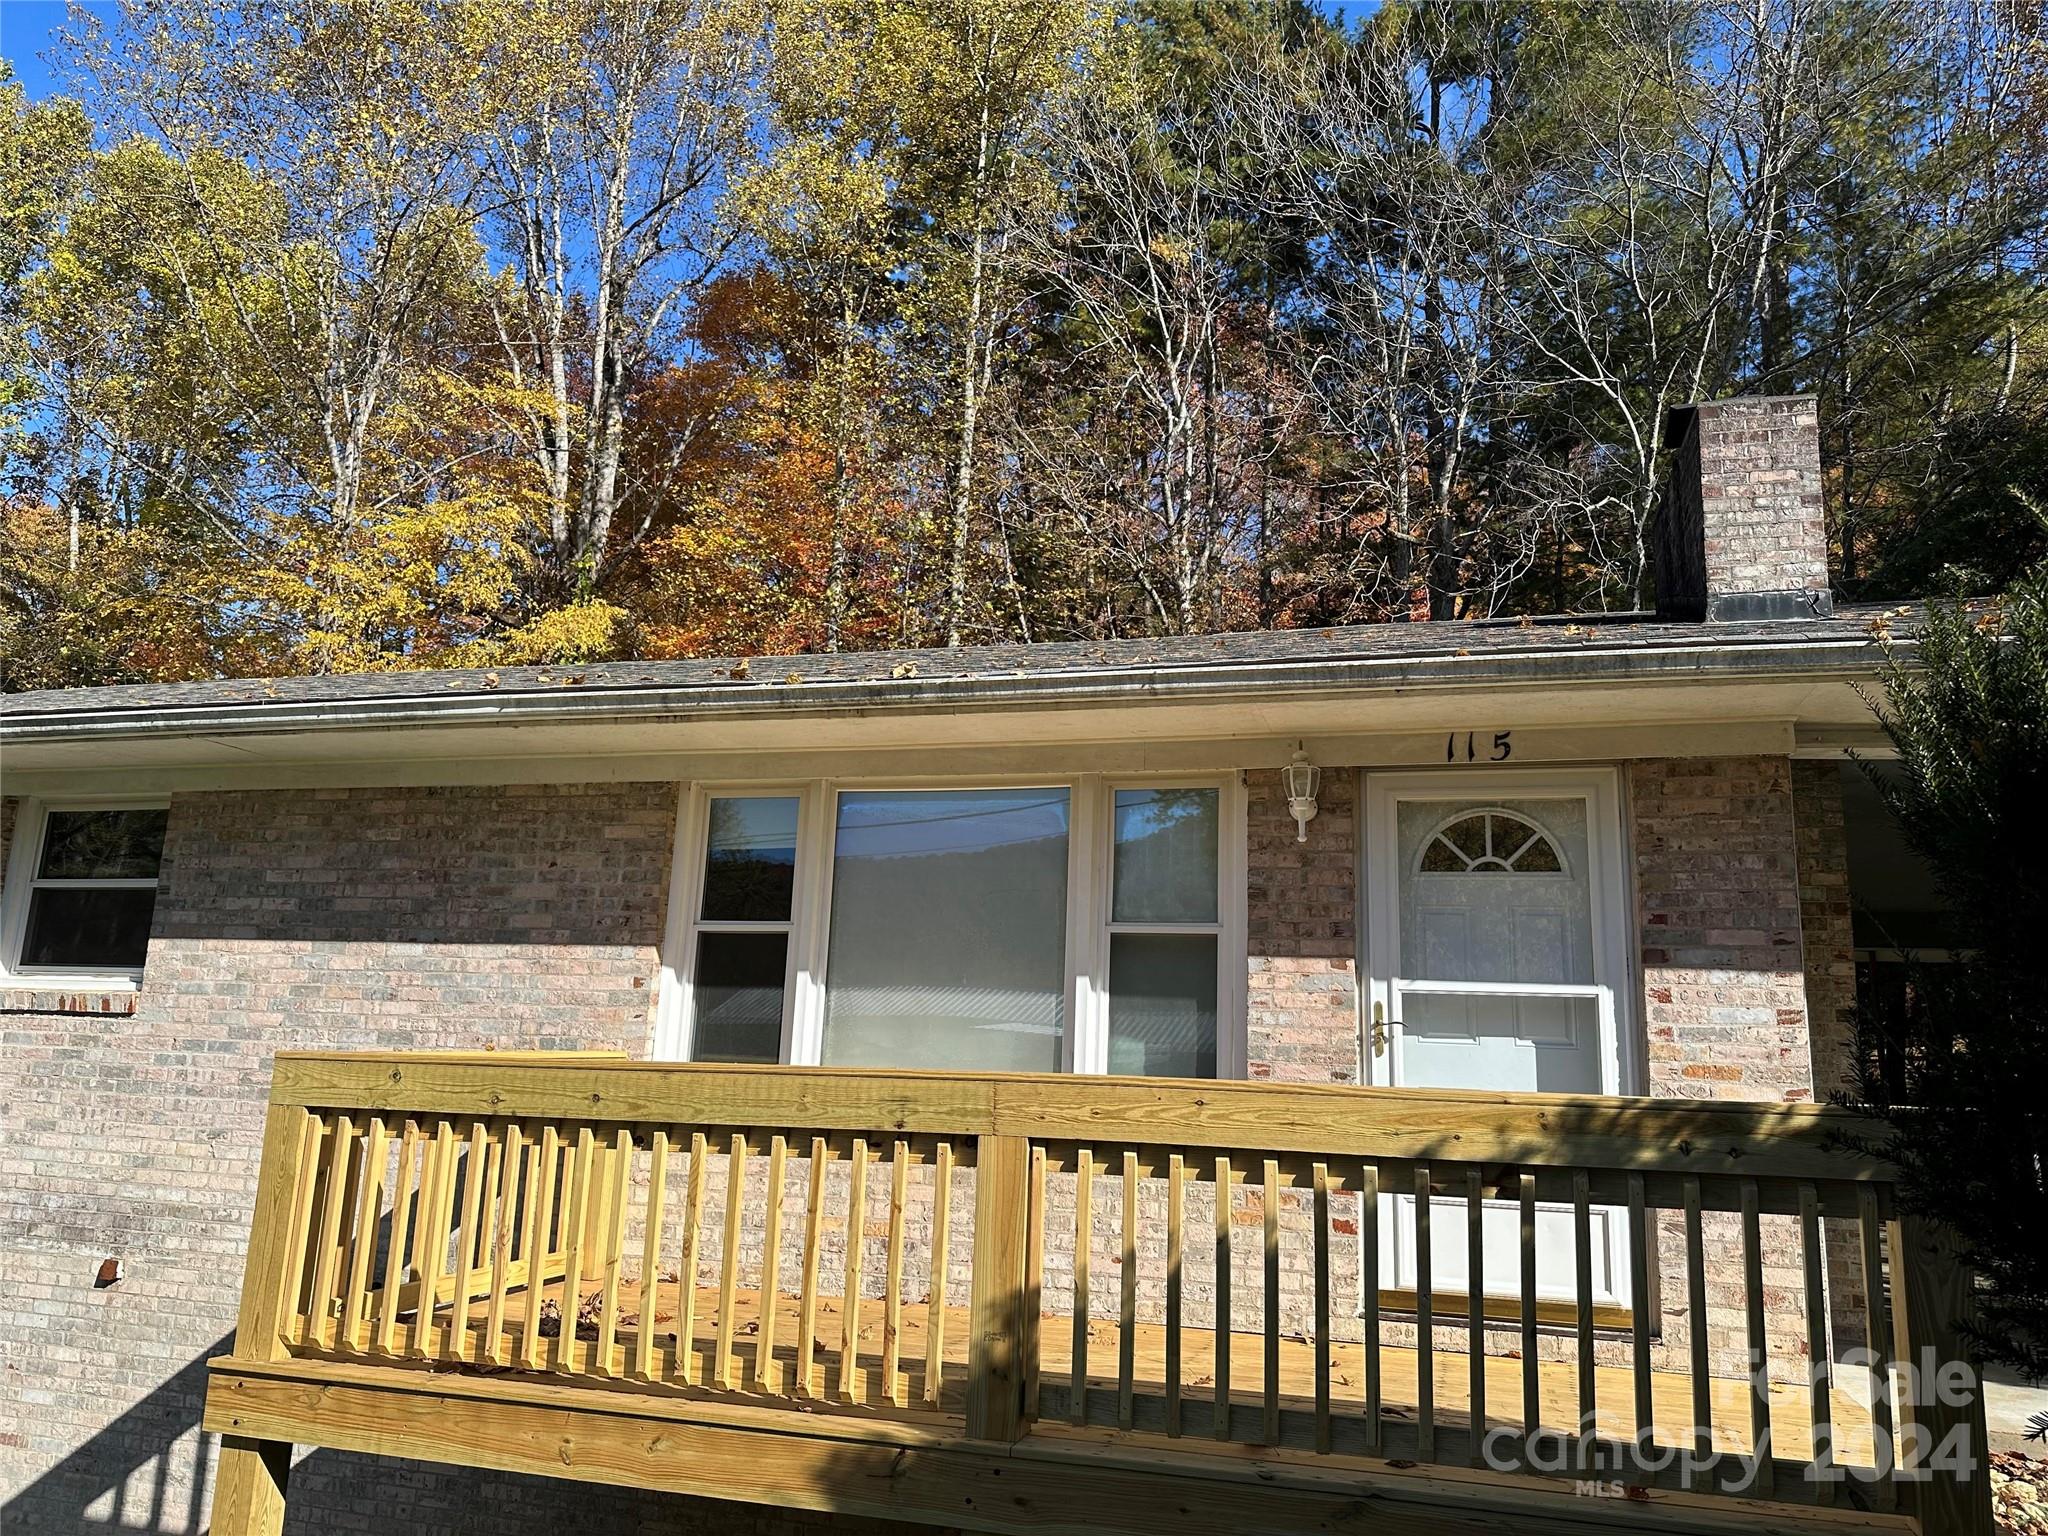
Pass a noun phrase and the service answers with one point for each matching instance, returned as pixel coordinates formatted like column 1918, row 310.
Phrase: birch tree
column 612, row 132
column 1136, row 456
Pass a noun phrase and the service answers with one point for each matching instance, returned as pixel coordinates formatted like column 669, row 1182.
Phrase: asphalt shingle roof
column 928, row 671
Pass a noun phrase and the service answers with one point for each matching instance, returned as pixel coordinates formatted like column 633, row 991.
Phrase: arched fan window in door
column 1490, row 841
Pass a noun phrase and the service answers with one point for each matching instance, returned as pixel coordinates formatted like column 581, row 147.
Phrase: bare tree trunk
column 970, row 398
column 842, row 490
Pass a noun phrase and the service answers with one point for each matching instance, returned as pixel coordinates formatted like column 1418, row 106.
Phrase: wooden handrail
column 595, row 1222
column 1701, row 1136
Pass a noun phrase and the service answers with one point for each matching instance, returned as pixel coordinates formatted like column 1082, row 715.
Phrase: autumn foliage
column 458, row 332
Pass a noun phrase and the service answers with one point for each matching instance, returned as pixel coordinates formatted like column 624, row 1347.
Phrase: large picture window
column 90, row 875
column 949, row 913
column 1082, row 925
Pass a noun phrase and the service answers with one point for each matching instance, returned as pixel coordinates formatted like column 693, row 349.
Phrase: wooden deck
column 418, row 1217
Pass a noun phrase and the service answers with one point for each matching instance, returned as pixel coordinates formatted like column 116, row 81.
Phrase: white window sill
column 69, row 981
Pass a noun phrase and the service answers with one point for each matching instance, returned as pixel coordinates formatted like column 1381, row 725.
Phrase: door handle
column 1379, row 1029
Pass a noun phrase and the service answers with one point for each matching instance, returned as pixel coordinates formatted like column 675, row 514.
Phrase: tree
column 609, row 133
column 1958, row 1076
column 1134, row 441
column 1378, row 155
column 986, row 78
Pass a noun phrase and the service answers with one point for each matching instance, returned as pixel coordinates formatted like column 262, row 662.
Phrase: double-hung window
column 745, row 902
column 1076, row 924
column 82, row 887
column 1165, row 931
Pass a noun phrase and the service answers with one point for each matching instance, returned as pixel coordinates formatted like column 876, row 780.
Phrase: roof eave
column 1850, row 656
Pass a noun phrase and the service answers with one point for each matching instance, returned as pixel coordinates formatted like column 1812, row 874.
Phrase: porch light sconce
column 1302, row 779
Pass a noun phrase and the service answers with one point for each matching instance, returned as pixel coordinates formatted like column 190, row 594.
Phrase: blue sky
column 25, row 28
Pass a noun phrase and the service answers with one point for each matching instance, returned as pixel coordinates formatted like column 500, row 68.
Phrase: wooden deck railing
column 1167, row 1304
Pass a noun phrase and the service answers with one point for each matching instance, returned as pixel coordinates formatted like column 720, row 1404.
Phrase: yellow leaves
column 1177, row 252
column 581, row 632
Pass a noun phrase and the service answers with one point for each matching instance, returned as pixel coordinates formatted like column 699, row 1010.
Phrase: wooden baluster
column 686, row 1278
column 430, row 1235
column 1034, row 1274
column 1084, row 1233
column 327, row 1245
column 1475, row 1306
column 1759, row 1344
column 1369, row 1265
column 650, row 1256
column 1425, row 1323
column 540, row 1243
column 467, row 1260
column 620, row 1168
column 582, row 1188
column 1321, row 1176
column 851, row 1384
column 355, row 1300
column 1532, row 1381
column 814, row 1228
column 1582, row 1289
column 1639, row 1314
column 935, row 1313
column 1883, row 1446
column 729, row 1259
column 1127, row 1300
column 1270, row 1364
column 1819, row 1359
column 1176, row 1201
column 1696, row 1330
column 481, row 1248
column 892, row 1283
column 1221, row 1429
column 402, row 1200
column 597, row 1216
column 766, row 1377
column 510, row 1197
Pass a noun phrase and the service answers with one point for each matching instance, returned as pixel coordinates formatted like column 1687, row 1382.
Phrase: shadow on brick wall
column 151, row 1471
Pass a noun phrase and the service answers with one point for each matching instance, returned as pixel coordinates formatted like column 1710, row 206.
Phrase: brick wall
column 1824, row 917
column 339, row 919
column 1301, row 905
column 1724, row 1003
column 1717, row 886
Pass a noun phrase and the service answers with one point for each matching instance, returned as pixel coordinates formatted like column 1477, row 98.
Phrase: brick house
column 1609, row 856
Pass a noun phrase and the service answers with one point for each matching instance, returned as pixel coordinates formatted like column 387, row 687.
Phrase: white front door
column 1494, row 941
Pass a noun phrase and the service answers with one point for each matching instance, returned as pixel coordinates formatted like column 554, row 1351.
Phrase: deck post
column 997, row 1330
column 270, row 1280
column 1942, row 1418
column 248, row 1494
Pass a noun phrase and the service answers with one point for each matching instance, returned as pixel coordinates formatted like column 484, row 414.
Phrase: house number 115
column 1503, row 747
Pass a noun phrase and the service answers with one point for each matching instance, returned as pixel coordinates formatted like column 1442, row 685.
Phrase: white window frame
column 1092, row 1002
column 674, row 1017
column 1084, row 1046
column 24, row 855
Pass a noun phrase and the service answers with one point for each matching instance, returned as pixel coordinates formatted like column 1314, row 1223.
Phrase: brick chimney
column 1742, row 535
